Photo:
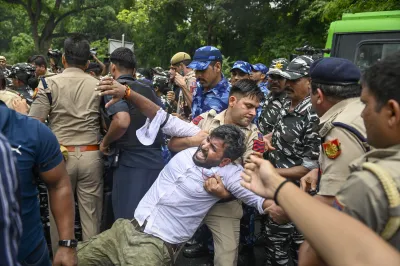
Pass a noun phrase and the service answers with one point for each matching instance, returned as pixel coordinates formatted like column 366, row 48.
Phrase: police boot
column 196, row 250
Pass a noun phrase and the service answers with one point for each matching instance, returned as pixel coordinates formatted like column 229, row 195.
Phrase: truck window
column 344, row 45
column 368, row 52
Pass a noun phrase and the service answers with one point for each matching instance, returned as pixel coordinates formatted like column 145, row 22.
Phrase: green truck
column 364, row 37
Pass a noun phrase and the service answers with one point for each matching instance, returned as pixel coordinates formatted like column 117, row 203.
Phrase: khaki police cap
column 2, row 58
column 179, row 57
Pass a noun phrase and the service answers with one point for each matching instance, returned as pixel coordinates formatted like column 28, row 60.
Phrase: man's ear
column 232, row 100
column 224, row 162
column 321, row 96
column 393, row 113
column 218, row 67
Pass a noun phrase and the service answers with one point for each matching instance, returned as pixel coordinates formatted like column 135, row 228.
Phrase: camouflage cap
column 277, row 66
column 204, row 56
column 179, row 57
column 260, row 67
column 299, row 67
column 2, row 58
column 158, row 70
column 159, row 80
column 22, row 68
column 242, row 66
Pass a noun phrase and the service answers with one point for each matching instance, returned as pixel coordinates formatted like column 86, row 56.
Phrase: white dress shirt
column 177, row 202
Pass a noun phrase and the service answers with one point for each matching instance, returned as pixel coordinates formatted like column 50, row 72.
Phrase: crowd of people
column 162, row 162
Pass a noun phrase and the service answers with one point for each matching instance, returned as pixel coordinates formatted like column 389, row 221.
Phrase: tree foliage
column 253, row 30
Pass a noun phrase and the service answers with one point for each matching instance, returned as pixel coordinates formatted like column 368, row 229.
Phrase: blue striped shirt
column 10, row 220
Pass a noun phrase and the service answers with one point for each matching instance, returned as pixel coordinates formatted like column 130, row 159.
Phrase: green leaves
column 252, row 30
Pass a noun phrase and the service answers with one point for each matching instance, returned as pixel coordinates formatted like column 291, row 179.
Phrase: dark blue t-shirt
column 132, row 152
column 33, row 145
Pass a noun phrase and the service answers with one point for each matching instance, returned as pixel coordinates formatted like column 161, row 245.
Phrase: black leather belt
column 172, row 248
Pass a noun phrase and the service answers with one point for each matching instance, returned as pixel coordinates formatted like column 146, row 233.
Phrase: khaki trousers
column 85, row 170
column 125, row 246
column 224, row 222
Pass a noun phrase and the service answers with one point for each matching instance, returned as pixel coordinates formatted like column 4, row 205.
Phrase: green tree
column 45, row 15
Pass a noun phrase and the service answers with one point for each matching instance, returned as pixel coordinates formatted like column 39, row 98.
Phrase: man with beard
column 184, row 78
column 224, row 217
column 293, row 148
column 212, row 90
column 276, row 96
column 176, row 204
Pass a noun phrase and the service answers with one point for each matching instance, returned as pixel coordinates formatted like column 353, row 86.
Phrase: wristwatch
column 72, row 243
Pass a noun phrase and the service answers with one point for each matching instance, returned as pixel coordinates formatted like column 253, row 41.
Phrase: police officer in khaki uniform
column 184, row 78
column 371, row 194
column 371, row 191
column 72, row 110
column 335, row 93
column 224, row 217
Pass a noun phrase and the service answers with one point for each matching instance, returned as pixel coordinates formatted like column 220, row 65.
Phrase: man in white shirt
column 174, row 207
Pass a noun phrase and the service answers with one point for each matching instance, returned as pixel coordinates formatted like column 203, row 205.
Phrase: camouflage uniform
column 264, row 88
column 273, row 101
column 215, row 98
column 297, row 143
column 295, row 137
column 270, row 112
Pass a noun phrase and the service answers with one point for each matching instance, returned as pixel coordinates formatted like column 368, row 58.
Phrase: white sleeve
column 174, row 127
column 232, row 184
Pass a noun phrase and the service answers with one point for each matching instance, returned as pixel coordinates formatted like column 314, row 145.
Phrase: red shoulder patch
column 332, row 148
column 197, row 120
column 258, row 146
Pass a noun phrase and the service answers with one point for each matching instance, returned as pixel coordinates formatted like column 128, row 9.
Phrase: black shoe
column 191, row 242
column 195, row 251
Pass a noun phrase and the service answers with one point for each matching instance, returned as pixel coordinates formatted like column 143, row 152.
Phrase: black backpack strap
column 355, row 132
column 46, row 90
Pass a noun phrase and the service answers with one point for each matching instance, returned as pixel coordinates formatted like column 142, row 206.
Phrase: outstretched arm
column 158, row 118
column 334, row 235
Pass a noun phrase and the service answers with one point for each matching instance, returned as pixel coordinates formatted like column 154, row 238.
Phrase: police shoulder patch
column 332, row 148
column 258, row 146
column 197, row 119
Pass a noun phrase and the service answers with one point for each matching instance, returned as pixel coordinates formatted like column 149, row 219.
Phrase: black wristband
column 277, row 191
